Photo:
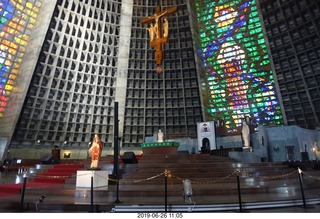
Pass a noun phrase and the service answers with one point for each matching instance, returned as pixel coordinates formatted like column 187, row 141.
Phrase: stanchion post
column 23, row 191
column 301, row 187
column 92, row 172
column 239, row 191
column 117, row 200
column 165, row 190
column 116, row 148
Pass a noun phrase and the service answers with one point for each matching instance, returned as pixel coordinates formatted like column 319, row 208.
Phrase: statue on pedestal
column 246, row 132
column 95, row 150
column 160, row 136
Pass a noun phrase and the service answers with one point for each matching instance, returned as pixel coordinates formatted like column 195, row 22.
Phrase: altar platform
column 169, row 147
column 99, row 177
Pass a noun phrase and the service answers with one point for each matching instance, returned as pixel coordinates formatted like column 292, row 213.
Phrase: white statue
column 165, row 27
column 246, row 132
column 160, row 136
column 156, row 28
column 151, row 32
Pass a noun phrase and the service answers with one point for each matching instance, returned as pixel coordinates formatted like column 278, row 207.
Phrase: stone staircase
column 213, row 179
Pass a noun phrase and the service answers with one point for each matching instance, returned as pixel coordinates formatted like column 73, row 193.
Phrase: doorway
column 205, row 149
column 290, row 153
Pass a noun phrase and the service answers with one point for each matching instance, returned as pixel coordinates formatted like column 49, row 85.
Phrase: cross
column 155, row 31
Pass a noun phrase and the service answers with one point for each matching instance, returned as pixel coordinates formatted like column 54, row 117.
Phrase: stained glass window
column 237, row 64
column 17, row 18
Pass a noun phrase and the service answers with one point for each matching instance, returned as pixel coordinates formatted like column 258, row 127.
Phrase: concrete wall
column 303, row 140
column 268, row 145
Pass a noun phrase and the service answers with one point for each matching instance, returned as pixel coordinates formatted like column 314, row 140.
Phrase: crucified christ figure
column 157, row 27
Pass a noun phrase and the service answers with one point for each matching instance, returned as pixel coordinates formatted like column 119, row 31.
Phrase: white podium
column 100, row 178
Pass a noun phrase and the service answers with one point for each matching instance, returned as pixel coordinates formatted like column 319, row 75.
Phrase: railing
column 224, row 151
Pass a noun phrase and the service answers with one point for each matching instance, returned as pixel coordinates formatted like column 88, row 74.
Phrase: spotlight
column 187, row 190
column 66, row 155
column 42, row 197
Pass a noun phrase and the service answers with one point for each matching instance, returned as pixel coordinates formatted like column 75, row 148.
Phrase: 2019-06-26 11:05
column 160, row 215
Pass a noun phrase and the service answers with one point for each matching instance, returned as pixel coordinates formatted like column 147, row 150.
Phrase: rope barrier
column 140, row 180
column 212, row 181
column 277, row 177
column 313, row 177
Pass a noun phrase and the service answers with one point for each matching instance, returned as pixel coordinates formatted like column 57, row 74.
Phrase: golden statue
column 95, row 150
column 151, row 32
column 165, row 27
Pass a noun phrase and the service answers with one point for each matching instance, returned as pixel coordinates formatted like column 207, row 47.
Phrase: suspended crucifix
column 158, row 32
